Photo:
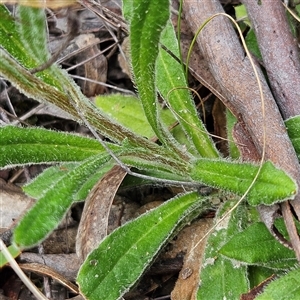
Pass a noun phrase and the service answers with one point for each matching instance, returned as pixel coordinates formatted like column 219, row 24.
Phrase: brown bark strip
column 222, row 50
column 279, row 51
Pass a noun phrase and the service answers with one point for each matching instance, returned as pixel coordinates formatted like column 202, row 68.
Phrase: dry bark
column 279, row 51
column 232, row 70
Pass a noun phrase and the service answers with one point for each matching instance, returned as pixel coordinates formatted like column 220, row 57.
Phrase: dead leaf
column 13, row 204
column 94, row 221
column 188, row 280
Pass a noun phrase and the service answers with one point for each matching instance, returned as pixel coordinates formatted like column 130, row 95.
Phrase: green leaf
column 49, row 210
column 252, row 44
column 127, row 9
column 10, row 38
column 241, row 14
column 269, row 252
column 32, row 86
column 91, row 180
column 144, row 159
column 45, row 181
column 25, row 39
column 111, row 269
column 229, row 278
column 20, row 146
column 293, row 129
column 286, row 287
column 32, row 30
column 280, row 226
column 171, row 83
column 40, row 185
column 128, row 111
column 272, row 184
column 258, row 274
column 148, row 18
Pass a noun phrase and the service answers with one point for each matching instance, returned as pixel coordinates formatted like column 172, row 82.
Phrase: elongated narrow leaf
column 269, row 253
column 221, row 278
column 31, row 85
column 271, row 185
column 122, row 257
column 49, row 210
column 172, row 85
column 148, row 18
column 10, row 38
column 145, row 160
column 20, row 146
column 24, row 37
column 45, row 181
column 286, row 287
column 32, row 30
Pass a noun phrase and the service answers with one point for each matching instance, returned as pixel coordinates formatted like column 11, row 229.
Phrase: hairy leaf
column 45, row 181
column 229, row 278
column 271, row 185
column 49, row 210
column 147, row 20
column 10, row 38
column 269, row 252
column 25, row 39
column 111, row 269
column 286, row 287
column 20, row 146
column 171, row 83
column 32, row 32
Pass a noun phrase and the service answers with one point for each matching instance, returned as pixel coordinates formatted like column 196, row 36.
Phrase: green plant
column 110, row 269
